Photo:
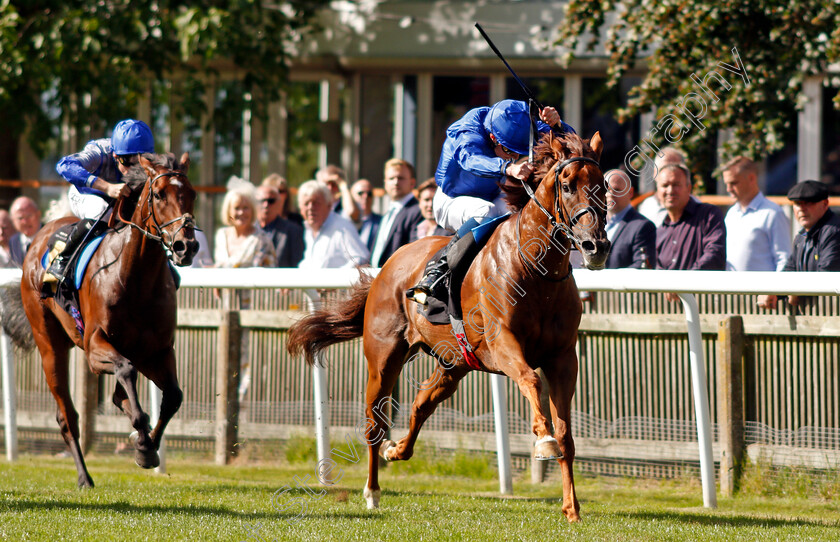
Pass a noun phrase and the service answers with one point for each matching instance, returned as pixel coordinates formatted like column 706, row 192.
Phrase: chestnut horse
column 520, row 302
column 127, row 303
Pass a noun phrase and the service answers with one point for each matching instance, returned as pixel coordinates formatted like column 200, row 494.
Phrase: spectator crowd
column 336, row 225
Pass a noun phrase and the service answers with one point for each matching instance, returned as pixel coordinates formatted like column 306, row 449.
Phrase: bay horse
column 520, row 303
column 127, row 304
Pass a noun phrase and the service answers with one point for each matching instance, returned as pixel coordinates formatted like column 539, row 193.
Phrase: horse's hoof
column 388, row 450
column 85, row 482
column 146, row 460
column 372, row 497
column 547, row 448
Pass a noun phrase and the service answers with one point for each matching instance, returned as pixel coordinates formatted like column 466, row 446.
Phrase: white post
column 9, row 399
column 155, row 398
column 319, row 381
column 497, row 383
column 701, row 400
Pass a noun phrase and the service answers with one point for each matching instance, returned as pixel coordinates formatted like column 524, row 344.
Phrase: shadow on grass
column 123, row 507
column 711, row 519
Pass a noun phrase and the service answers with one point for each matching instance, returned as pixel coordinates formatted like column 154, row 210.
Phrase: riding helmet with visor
column 132, row 137
column 510, row 123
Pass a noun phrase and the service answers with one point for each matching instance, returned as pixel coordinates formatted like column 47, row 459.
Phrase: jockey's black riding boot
column 454, row 260
column 58, row 267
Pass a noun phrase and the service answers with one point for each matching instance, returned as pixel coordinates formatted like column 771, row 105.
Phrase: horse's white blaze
column 176, row 182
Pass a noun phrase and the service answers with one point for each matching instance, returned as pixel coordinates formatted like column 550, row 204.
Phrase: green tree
column 778, row 42
column 91, row 60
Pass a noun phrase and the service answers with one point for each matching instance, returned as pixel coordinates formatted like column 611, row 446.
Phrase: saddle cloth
column 66, row 293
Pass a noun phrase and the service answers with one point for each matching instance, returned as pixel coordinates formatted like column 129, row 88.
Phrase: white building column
column 175, row 139
column 497, row 88
column 351, row 133
column 573, row 102
column 252, row 139
column 425, row 111
column 809, row 143
column 207, row 167
column 328, row 115
column 278, row 136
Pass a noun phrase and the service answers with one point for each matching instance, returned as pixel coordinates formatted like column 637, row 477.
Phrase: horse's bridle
column 566, row 229
column 186, row 219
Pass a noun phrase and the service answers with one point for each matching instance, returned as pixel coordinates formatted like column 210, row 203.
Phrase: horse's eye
column 566, row 188
column 159, row 195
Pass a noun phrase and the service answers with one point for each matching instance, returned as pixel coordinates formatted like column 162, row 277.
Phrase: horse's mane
column 136, row 176
column 549, row 150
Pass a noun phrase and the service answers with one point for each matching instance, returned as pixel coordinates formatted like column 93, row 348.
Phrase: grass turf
column 200, row 501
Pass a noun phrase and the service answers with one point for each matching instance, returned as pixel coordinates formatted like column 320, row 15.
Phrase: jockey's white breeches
column 86, row 205
column 452, row 213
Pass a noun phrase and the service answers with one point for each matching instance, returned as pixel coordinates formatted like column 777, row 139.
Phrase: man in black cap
column 817, row 245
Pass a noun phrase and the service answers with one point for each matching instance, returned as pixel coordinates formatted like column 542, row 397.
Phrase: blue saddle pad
column 82, row 260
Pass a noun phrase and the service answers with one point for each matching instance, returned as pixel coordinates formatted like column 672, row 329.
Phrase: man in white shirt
column 331, row 240
column 403, row 214
column 7, row 230
column 757, row 230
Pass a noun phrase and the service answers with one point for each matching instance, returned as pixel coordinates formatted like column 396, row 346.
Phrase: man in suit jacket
column 403, row 212
column 26, row 217
column 362, row 192
column 285, row 234
column 633, row 236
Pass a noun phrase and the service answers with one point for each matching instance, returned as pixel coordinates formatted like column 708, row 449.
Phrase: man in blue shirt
column 480, row 151
column 96, row 175
column 757, row 230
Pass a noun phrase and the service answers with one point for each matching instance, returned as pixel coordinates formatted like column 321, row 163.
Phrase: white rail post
column 497, row 382
column 701, row 400
column 319, row 381
column 155, row 397
column 9, row 399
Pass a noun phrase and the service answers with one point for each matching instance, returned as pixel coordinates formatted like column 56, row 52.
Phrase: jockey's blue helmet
column 132, row 137
column 510, row 123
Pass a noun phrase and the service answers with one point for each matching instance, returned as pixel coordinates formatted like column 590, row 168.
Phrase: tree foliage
column 110, row 50
column 780, row 43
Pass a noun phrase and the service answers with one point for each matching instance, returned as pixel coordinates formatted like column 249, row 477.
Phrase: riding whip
column 531, row 98
column 513, row 73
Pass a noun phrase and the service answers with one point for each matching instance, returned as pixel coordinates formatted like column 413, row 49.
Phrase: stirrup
column 427, row 286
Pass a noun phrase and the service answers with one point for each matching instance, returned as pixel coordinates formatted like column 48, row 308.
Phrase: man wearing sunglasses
column 480, row 151
column 96, row 175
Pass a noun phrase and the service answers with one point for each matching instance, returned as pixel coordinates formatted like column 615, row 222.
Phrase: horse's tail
column 13, row 318
column 333, row 324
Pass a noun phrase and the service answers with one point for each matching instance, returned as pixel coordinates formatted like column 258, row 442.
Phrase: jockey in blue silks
column 96, row 175
column 480, row 152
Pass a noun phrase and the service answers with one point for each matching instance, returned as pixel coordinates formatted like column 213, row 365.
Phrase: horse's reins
column 187, row 219
column 566, row 229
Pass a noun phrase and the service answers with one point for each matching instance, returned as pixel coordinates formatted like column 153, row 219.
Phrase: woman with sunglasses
column 480, row 151
column 96, row 174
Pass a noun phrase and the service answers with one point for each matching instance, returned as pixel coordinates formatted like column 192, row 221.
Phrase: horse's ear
column 596, row 144
column 184, row 166
column 147, row 165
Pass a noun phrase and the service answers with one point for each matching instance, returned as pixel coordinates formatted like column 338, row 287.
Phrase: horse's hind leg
column 54, row 347
column 101, row 351
column 382, row 375
column 562, row 379
column 436, row 389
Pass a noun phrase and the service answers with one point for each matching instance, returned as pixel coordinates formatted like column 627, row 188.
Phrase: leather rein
column 186, row 219
column 565, row 229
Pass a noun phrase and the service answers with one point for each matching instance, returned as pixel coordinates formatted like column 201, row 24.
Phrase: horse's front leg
column 562, row 379
column 511, row 361
column 165, row 377
column 102, row 351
